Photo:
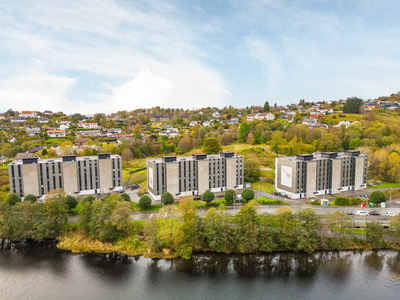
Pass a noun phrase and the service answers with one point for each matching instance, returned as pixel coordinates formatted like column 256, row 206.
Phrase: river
column 42, row 272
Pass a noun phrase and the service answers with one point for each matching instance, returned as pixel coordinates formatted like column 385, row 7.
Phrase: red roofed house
column 56, row 133
column 28, row 114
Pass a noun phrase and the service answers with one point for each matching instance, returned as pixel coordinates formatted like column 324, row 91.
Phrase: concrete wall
column 278, row 170
column 70, row 177
column 172, row 170
column 336, row 175
column 359, row 173
column 105, row 174
column 230, row 173
column 30, row 180
column 202, row 174
column 152, row 189
column 311, row 178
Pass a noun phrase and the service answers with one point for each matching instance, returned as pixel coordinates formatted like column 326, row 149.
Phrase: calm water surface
column 44, row 273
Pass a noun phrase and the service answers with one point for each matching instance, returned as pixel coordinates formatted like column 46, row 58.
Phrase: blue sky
column 104, row 56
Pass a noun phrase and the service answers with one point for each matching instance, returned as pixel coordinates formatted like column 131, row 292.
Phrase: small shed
column 324, row 202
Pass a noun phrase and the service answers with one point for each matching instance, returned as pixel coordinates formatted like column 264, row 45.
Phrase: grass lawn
column 4, row 166
column 154, row 207
column 335, row 118
column 264, row 186
column 357, row 231
column 384, row 185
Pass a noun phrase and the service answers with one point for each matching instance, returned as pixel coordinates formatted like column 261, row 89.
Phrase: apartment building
column 193, row 175
column 75, row 175
column 309, row 175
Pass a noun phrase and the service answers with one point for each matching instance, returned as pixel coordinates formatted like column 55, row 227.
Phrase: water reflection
column 374, row 260
column 393, row 262
column 114, row 270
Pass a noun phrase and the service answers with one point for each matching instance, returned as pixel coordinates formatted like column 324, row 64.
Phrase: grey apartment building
column 75, row 175
column 193, row 175
column 309, row 175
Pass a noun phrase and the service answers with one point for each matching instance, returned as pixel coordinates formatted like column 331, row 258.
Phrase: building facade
column 193, row 175
column 75, row 175
column 309, row 175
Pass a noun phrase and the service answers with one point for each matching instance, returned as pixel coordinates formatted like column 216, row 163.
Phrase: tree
column 12, row 199
column 208, row 196
column 184, row 145
column 248, row 194
column 30, row 197
column 217, row 231
column 245, row 231
column 127, row 155
column 243, row 132
column 230, row 195
column 252, row 168
column 71, row 202
column 211, row 146
column 66, row 148
column 89, row 198
column 375, row 234
column 144, row 201
column 266, row 107
column 125, row 197
column 395, row 226
column 250, row 139
column 307, row 227
column 257, row 137
column 167, row 198
column 55, row 208
column 353, row 105
column 377, row 197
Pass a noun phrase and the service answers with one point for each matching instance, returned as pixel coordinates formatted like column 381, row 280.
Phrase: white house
column 64, row 126
column 194, row 123
column 171, row 133
column 270, row 116
column 32, row 131
column 28, row 114
column 88, row 125
column 56, row 133
column 63, row 122
column 114, row 130
column 216, row 114
column 291, row 112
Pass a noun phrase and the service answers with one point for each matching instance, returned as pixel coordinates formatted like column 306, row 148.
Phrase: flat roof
column 317, row 156
column 186, row 158
column 60, row 159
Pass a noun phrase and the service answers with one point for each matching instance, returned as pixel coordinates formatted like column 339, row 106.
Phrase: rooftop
column 35, row 160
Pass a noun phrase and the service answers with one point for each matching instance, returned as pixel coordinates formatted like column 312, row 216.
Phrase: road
column 295, row 208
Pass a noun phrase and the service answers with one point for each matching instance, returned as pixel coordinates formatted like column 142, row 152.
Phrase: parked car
column 360, row 213
column 390, row 214
column 196, row 198
column 350, row 213
column 374, row 213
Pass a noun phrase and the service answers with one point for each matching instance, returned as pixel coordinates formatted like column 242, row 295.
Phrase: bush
column 208, row 196
column 126, row 197
column 71, row 202
column 230, row 195
column 342, row 201
column 167, row 198
column 315, row 202
column 249, row 179
column 30, row 197
column 377, row 197
column 12, row 199
column 144, row 201
column 355, row 201
column 89, row 198
column 247, row 195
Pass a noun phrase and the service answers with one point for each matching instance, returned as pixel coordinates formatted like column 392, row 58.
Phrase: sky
column 91, row 56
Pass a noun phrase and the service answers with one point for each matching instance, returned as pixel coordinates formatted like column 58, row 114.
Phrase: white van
column 360, row 213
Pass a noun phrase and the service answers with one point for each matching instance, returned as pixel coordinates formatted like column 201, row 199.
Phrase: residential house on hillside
column 159, row 117
column 20, row 156
column 216, row 114
column 35, row 149
column 88, row 125
column 18, row 120
column 312, row 123
column 170, row 133
column 290, row 118
column 114, row 130
column 80, row 141
column 95, row 132
column 65, row 122
column 43, row 120
column 291, row 112
column 316, row 116
column 27, row 114
column 389, row 105
column 208, row 123
column 3, row 158
column 47, row 112
column 260, row 116
column 56, row 133
column 149, row 138
column 32, row 131
column 194, row 123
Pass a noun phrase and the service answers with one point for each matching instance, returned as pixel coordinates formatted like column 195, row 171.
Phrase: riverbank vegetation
column 178, row 231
